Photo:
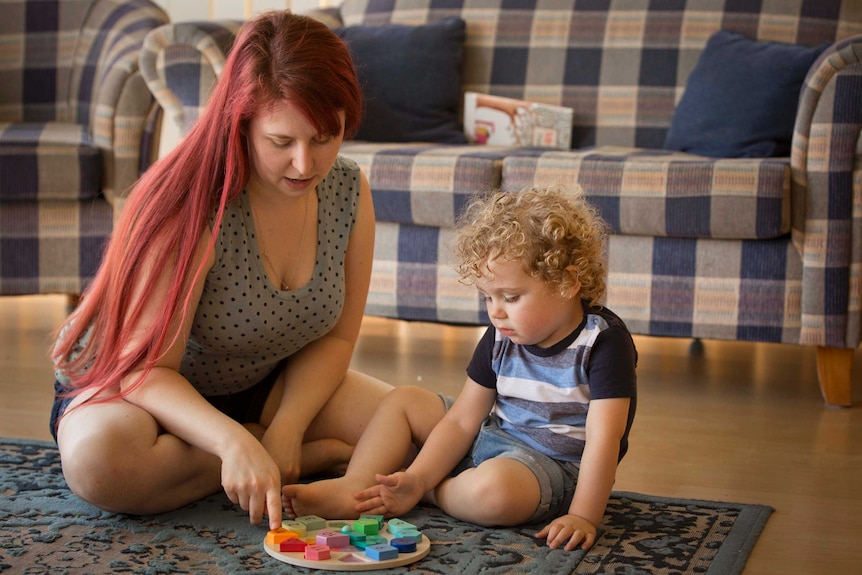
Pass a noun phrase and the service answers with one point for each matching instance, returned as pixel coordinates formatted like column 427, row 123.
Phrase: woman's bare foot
column 330, row 498
column 329, row 456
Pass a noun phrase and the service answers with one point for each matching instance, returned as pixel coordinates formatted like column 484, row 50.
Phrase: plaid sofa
column 766, row 250
column 73, row 116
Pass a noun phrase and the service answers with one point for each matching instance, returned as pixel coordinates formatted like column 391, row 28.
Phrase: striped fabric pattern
column 74, row 113
column 746, row 249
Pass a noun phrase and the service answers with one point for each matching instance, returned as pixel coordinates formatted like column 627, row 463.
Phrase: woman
column 212, row 348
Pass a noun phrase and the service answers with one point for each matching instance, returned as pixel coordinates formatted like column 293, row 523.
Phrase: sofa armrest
column 180, row 63
column 827, row 197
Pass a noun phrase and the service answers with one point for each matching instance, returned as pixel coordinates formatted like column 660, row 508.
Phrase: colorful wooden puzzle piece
column 381, row 552
column 404, row 544
column 332, row 538
column 295, row 526
column 276, row 536
column 396, row 526
column 367, row 526
column 318, row 552
column 293, row 545
column 414, row 534
column 378, row 518
column 312, row 522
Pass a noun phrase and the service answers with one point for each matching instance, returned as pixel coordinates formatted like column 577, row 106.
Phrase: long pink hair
column 278, row 56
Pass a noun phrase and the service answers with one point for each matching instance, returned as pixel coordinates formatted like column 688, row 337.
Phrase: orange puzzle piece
column 277, row 536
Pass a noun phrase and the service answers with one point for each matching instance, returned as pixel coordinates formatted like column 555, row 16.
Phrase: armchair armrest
column 827, row 198
column 180, row 63
column 107, row 92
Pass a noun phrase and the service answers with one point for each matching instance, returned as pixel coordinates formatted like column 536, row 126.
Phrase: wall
column 209, row 9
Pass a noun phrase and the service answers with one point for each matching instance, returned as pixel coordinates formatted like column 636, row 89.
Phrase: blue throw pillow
column 741, row 98
column 411, row 80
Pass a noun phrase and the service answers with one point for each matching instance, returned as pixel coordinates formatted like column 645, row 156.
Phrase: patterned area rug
column 44, row 529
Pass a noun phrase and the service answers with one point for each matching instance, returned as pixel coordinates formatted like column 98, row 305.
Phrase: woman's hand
column 569, row 530
column 252, row 480
column 394, row 495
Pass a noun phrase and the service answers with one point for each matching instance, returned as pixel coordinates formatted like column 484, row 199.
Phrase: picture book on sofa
column 500, row 121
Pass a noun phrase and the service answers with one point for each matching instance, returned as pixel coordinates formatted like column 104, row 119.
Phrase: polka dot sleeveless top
column 244, row 326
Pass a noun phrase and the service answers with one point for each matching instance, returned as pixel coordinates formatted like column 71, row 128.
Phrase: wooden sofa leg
column 834, row 366
column 72, row 300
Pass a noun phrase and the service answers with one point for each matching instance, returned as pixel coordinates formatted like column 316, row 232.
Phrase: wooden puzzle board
column 349, row 558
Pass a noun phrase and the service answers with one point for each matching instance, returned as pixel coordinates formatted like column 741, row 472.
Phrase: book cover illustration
column 500, row 121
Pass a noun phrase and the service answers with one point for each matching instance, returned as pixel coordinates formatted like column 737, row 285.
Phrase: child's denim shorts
column 557, row 479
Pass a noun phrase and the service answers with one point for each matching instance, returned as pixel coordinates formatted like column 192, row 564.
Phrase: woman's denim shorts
column 557, row 479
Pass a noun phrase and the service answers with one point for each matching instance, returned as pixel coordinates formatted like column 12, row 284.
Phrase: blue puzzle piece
column 381, row 552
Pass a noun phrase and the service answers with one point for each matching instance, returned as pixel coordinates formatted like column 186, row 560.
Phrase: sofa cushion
column 425, row 184
column 50, row 161
column 411, row 80
column 741, row 98
column 659, row 193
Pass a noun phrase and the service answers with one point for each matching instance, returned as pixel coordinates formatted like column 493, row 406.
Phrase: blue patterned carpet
column 45, row 529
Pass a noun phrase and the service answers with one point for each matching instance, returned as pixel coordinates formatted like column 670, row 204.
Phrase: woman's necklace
column 283, row 286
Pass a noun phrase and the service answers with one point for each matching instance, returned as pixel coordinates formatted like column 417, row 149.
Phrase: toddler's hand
column 394, row 495
column 569, row 530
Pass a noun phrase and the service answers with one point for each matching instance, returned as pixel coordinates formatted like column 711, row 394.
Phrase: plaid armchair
column 76, row 124
column 753, row 249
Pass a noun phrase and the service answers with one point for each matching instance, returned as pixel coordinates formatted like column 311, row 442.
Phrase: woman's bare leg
column 403, row 420
column 116, row 457
column 329, row 441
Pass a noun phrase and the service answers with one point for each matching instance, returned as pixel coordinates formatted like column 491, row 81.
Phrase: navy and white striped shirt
column 543, row 394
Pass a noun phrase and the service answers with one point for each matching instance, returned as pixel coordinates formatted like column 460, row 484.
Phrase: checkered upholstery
column 620, row 64
column 749, row 249
column 181, row 63
column 75, row 117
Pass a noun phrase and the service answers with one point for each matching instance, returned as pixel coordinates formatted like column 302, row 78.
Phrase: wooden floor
column 738, row 422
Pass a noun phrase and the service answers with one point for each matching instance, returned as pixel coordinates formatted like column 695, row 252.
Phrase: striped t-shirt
column 543, row 394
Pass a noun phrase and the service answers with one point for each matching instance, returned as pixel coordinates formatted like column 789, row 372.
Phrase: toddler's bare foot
column 330, row 498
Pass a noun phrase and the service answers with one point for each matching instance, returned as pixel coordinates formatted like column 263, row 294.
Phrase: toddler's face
column 525, row 309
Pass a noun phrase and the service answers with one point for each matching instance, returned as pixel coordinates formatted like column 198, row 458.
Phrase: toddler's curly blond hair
column 549, row 230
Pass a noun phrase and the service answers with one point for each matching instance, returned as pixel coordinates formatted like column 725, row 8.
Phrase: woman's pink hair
column 278, row 56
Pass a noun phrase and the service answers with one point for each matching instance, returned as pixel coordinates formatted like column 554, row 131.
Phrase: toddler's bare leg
column 405, row 417
column 499, row 492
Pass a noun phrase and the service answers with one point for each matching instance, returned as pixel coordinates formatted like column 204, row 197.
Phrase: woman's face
column 287, row 154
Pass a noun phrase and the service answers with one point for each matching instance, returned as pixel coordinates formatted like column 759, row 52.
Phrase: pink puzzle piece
column 317, row 552
column 332, row 539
